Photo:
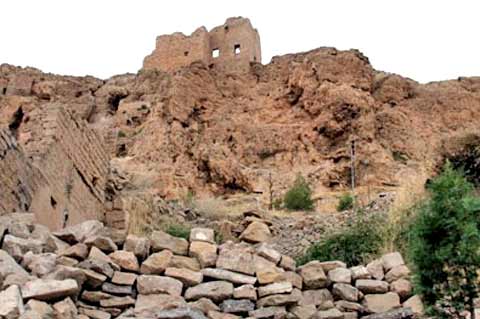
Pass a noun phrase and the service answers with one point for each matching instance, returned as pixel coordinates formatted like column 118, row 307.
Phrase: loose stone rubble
column 87, row 274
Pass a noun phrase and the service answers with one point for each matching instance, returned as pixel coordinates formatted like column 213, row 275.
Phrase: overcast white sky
column 424, row 39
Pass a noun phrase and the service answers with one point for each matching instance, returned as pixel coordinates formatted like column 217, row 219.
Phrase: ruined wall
column 177, row 50
column 236, row 42
column 74, row 163
column 19, row 179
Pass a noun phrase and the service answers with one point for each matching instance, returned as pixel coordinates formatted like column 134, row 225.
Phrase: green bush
column 177, row 230
column 346, row 202
column 445, row 245
column 299, row 197
column 361, row 240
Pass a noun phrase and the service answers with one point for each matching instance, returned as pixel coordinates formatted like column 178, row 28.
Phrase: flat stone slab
column 227, row 275
column 49, row 289
column 215, row 290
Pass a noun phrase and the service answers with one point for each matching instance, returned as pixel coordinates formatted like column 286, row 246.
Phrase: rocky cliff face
column 209, row 132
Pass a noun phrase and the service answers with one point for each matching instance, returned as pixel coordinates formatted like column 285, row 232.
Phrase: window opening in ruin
column 226, row 28
column 4, row 91
column 53, row 202
column 185, row 53
column 215, row 53
column 236, row 49
column 254, row 59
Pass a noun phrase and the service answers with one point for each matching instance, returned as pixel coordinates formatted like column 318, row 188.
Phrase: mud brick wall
column 236, row 42
column 72, row 159
column 19, row 178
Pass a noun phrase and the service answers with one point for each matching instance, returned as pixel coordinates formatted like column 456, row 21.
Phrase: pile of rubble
column 88, row 271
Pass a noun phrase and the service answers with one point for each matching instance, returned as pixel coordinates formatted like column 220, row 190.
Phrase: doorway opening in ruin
column 236, row 49
column 4, row 91
column 254, row 59
column 185, row 53
column 215, row 53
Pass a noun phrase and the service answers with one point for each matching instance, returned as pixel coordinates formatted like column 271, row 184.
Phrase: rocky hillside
column 207, row 132
column 88, row 271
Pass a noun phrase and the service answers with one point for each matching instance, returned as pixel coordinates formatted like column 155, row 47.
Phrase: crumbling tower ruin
column 231, row 47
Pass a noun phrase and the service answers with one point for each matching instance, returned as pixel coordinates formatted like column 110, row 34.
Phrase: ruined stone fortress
column 231, row 47
column 56, row 165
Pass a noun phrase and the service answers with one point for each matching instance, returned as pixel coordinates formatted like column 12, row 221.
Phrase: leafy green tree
column 299, row 197
column 445, row 245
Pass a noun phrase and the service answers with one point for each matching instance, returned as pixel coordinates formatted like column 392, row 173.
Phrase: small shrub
column 121, row 134
column 299, row 197
column 177, row 230
column 445, row 246
column 346, row 202
column 359, row 242
column 277, row 203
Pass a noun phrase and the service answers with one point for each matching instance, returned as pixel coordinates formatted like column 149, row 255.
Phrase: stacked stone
column 85, row 271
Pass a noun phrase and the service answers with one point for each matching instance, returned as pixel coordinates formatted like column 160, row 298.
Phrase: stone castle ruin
column 231, row 47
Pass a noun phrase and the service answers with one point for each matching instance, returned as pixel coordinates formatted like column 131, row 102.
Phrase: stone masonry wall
column 236, row 42
column 85, row 272
column 177, row 50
